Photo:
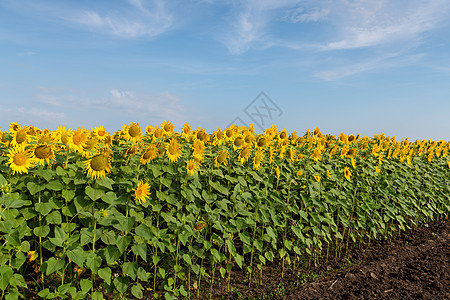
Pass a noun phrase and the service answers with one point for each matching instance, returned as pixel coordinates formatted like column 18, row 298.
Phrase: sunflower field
column 151, row 212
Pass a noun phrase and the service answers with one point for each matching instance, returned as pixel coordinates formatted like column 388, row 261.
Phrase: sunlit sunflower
column 173, row 150
column 141, row 192
column 378, row 169
column 149, row 154
column 14, row 127
column 199, row 150
column 202, row 135
column 43, row 153
column 132, row 132
column 186, row 130
column 222, row 158
column 353, row 162
column 100, row 134
column 3, row 138
column 98, row 165
column 317, row 178
column 257, row 160
column 20, row 137
column 78, row 139
column 149, row 130
column 238, row 142
column 347, row 173
column 245, row 154
column 20, row 160
column 192, row 167
column 277, row 172
column 90, row 147
column 299, row 173
column 262, row 142
column 328, row 173
column 167, row 127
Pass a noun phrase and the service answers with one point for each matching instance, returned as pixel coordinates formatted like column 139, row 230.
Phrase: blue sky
column 353, row 66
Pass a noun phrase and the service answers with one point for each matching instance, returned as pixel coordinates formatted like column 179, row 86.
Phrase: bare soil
column 414, row 265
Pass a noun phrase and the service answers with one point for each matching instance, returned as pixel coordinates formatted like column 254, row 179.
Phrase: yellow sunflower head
column 257, row 160
column 43, row 153
column 317, row 178
column 173, row 150
column 192, row 167
column 245, row 154
column 347, row 173
column 98, row 165
column 20, row 137
column 141, row 192
column 149, row 154
column 20, row 160
column 222, row 157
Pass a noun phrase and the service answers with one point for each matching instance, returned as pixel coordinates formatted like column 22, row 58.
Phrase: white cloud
column 302, row 15
column 26, row 53
column 137, row 19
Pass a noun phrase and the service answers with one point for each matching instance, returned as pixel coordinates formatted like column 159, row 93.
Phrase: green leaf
column 94, row 194
column 77, row 256
column 121, row 283
column 122, row 242
column 54, row 185
column 141, row 250
column 60, row 237
column 41, row 231
column 245, row 237
column 54, row 218
column 105, row 182
column 54, row 265
column 136, row 290
column 6, row 273
column 13, row 238
column 187, row 258
column 143, row 231
column 269, row 255
column 43, row 208
column 2, row 180
column 68, row 195
column 111, row 254
column 130, row 269
column 85, row 285
column 93, row 261
column 97, row 296
column 18, row 261
column 141, row 274
column 105, row 274
column 111, row 198
column 47, row 174
column 14, row 202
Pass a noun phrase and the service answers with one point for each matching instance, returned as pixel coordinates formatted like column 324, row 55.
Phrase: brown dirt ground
column 414, row 265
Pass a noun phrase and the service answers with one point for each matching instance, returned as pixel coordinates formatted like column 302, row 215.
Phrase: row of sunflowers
column 151, row 212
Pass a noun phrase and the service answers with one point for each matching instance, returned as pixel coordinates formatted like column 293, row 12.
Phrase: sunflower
column 202, row 135
column 3, row 138
column 100, row 134
column 328, row 173
column 277, row 171
column 186, row 130
column 149, row 154
column 299, row 173
column 347, row 173
column 149, row 129
column 192, row 167
column 353, row 162
column 20, row 137
column 173, row 150
column 43, row 153
column 132, row 132
column 317, row 178
column 262, row 142
column 245, row 154
column 167, row 127
column 98, row 165
column 199, row 226
column 141, row 193
column 78, row 139
column 238, row 142
column 222, row 157
column 14, row 127
column 199, row 150
column 378, row 169
column 20, row 160
column 257, row 160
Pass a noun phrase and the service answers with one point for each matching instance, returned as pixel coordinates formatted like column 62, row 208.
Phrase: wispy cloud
column 26, row 53
column 303, row 15
column 137, row 19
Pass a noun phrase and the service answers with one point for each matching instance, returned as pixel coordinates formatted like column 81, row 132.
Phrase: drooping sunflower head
column 149, row 154
column 141, row 192
column 222, row 157
column 192, row 167
column 98, row 165
column 173, row 150
column 20, row 160
column 238, row 142
column 167, row 127
column 202, row 135
column 317, row 178
column 20, row 137
column 245, row 154
column 133, row 132
column 186, row 130
column 262, row 142
column 347, row 173
column 43, row 153
column 277, row 172
column 14, row 127
column 257, row 160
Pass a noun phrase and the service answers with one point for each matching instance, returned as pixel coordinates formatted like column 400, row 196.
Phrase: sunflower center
column 21, row 137
column 65, row 139
column 90, row 144
column 101, row 133
column 222, row 157
column 20, row 159
column 167, row 128
column 147, row 155
column 173, row 149
column 139, row 193
column 134, row 130
column 191, row 167
column 283, row 135
column 42, row 152
column 99, row 162
column 77, row 139
column 239, row 141
column 261, row 142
